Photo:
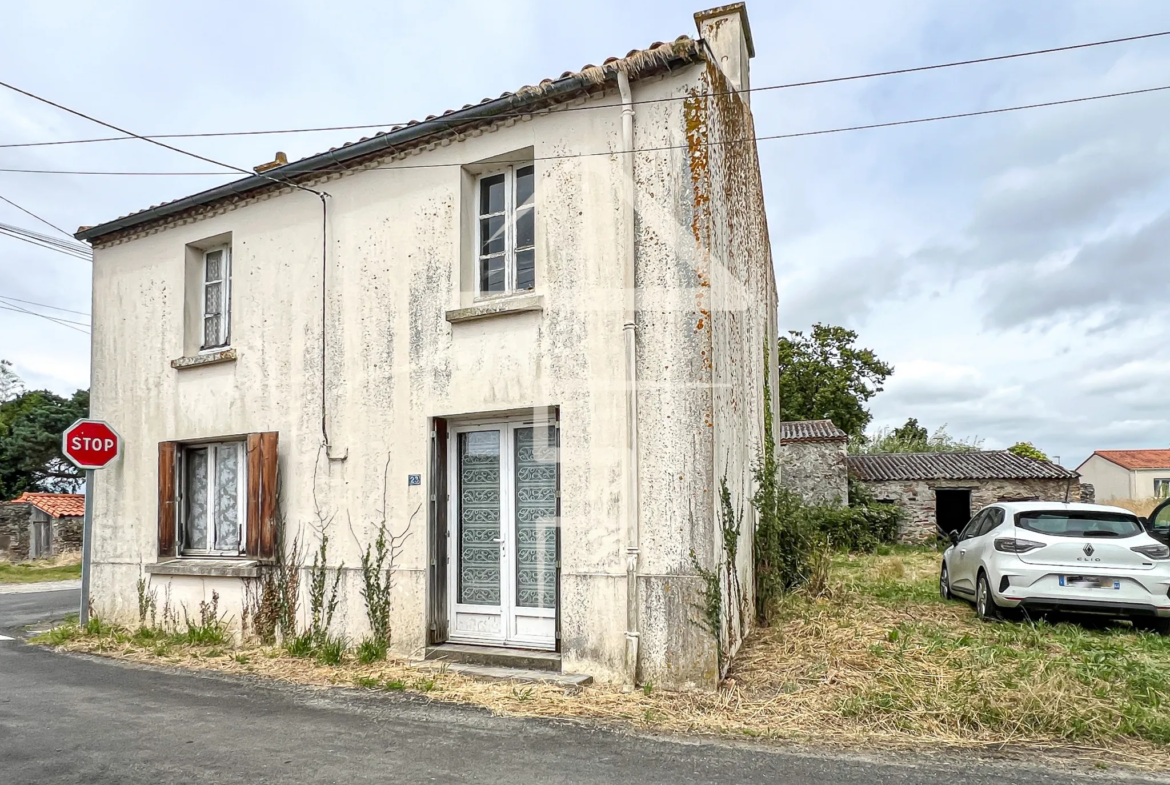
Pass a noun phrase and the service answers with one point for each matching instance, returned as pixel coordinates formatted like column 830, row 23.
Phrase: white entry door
column 502, row 579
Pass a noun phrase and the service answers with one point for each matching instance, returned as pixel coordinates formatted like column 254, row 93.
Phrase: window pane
column 525, row 228
column 212, row 298
column 211, row 331
column 227, row 499
column 536, row 517
column 479, row 518
column 195, row 521
column 492, row 274
column 525, row 181
column 491, row 195
column 491, row 235
column 214, row 269
column 525, row 269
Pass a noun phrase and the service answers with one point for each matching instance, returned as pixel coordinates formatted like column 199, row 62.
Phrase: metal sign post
column 89, row 445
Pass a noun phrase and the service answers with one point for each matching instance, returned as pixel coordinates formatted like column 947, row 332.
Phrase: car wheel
column 984, row 603
column 1158, row 626
column 944, row 583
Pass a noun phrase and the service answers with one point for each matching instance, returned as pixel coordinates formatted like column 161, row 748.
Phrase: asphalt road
column 71, row 719
column 20, row 610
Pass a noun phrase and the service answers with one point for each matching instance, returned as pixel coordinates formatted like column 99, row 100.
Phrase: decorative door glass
column 479, row 518
column 536, row 517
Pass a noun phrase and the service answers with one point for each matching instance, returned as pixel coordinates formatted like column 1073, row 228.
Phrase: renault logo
column 1088, row 549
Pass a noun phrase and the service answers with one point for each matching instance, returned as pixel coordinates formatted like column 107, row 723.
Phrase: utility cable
column 505, row 115
column 25, row 237
column 663, row 148
column 28, row 212
column 43, row 305
column 63, row 322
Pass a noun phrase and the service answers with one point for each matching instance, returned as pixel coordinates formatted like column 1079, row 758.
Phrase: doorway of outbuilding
column 952, row 509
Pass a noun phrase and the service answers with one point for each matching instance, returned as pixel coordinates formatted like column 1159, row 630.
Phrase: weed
column 366, row 682
column 161, row 650
column 330, row 650
column 523, row 694
column 377, row 582
column 647, row 689
column 59, row 635
column 323, row 597
column 394, row 685
column 147, row 603
column 300, row 646
column 424, row 684
column 241, row 659
column 371, row 650
column 211, row 629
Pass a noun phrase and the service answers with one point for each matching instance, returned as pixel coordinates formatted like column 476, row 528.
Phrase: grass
column 66, row 567
column 876, row 660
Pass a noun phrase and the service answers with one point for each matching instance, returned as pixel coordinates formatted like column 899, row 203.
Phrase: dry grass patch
column 876, row 661
column 1141, row 507
column 63, row 567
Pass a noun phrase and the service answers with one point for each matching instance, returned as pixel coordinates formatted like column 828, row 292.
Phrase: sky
column 1012, row 268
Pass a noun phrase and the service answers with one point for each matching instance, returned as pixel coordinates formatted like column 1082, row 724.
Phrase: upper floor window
column 217, row 280
column 506, row 231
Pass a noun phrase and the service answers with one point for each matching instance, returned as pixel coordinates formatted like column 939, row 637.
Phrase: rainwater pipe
column 629, row 331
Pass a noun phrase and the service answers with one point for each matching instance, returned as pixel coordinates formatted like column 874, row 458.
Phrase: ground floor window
column 1162, row 488
column 214, row 488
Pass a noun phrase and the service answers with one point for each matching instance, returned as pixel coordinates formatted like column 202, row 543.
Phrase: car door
column 962, row 571
column 1158, row 524
column 978, row 549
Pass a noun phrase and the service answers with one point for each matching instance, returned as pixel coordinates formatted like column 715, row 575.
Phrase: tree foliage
column 1027, row 450
column 912, row 437
column 31, row 424
column 825, row 376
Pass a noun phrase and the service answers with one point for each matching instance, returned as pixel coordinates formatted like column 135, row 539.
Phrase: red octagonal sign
column 90, row 444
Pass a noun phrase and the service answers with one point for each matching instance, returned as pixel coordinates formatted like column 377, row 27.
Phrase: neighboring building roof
column 58, row 505
column 810, row 431
column 638, row 64
column 996, row 465
column 1135, row 459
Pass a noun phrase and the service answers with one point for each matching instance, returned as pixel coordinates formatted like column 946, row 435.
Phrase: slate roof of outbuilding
column 810, row 431
column 638, row 64
column 58, row 505
column 1137, row 459
column 992, row 465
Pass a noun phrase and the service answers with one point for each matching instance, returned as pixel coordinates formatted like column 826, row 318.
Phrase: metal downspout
column 629, row 331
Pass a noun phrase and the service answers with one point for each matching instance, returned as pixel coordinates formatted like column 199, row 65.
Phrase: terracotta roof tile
column 58, row 505
column 810, row 431
column 994, row 465
column 1137, row 459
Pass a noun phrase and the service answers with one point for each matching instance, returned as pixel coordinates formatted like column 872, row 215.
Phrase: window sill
column 210, row 358
column 207, row 568
column 532, row 303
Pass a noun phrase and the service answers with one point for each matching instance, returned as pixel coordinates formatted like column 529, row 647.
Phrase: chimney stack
column 729, row 37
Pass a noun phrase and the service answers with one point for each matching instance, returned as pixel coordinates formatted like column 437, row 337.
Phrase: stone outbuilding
column 39, row 525
column 940, row 491
column 812, row 461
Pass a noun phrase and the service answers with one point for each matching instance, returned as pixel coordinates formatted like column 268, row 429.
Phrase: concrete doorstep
column 497, row 673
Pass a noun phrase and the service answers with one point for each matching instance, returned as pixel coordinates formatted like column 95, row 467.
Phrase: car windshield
column 1076, row 523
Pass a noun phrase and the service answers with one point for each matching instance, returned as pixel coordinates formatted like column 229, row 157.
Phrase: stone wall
column 67, row 534
column 14, row 520
column 815, row 470
column 916, row 497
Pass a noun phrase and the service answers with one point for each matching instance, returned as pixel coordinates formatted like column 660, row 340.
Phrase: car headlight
column 1156, row 551
column 1016, row 545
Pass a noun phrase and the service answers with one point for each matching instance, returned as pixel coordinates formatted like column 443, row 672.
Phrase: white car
column 1048, row 556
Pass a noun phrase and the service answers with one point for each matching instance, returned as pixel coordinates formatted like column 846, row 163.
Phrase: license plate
column 1089, row 582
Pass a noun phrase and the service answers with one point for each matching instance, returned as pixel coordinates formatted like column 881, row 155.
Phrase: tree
column 11, row 385
column 824, row 376
column 912, row 432
column 31, row 425
column 1027, row 450
column 912, row 437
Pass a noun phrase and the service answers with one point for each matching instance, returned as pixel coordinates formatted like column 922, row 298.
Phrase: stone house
column 812, row 460
column 39, row 525
column 1128, row 474
column 941, row 490
column 525, row 336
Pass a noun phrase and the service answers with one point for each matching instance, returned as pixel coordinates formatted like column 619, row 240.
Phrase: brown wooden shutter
column 168, row 502
column 437, row 631
column 261, row 540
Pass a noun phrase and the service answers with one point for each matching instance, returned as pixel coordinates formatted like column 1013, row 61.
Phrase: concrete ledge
column 495, row 673
column 501, row 307
column 207, row 568
column 200, row 360
column 494, row 656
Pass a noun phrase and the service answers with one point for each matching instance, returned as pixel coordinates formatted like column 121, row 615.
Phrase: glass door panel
column 536, row 517
column 479, row 518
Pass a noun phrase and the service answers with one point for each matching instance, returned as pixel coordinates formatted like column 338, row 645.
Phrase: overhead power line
column 43, row 305
column 28, row 212
column 505, row 115
column 771, row 137
column 63, row 322
column 76, row 250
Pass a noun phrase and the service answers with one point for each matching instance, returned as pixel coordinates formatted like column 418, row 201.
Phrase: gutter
column 526, row 99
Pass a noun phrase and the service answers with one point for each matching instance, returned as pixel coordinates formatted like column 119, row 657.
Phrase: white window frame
column 509, row 173
column 241, row 491
column 1161, row 488
column 225, row 322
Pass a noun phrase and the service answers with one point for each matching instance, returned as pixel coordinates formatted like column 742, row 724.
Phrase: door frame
column 507, row 425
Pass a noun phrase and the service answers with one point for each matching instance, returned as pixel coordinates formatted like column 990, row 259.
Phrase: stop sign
column 90, row 444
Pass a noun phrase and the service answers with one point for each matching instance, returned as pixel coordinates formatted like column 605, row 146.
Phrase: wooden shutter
column 168, row 502
column 261, row 539
column 437, row 629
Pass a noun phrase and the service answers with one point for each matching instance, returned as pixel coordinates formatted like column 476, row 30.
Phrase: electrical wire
column 32, row 239
column 45, row 221
column 43, row 305
column 63, row 322
column 663, row 148
column 68, row 245
column 505, row 115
